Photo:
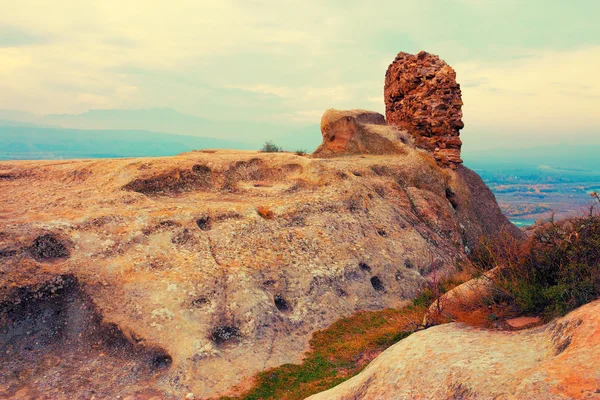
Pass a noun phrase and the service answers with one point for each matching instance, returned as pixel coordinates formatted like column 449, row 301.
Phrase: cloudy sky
column 530, row 70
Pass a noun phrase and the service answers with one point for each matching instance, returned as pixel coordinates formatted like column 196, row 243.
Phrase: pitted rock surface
column 174, row 253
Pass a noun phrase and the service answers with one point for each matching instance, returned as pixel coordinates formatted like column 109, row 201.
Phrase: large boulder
column 454, row 361
column 422, row 96
column 358, row 132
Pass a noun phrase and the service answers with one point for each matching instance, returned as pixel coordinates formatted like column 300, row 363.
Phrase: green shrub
column 336, row 353
column 270, row 147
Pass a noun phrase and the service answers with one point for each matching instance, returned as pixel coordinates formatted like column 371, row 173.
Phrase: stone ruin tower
column 422, row 96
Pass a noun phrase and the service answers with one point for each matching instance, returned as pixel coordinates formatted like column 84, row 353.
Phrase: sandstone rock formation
column 453, row 361
column 178, row 285
column 469, row 295
column 421, row 96
column 359, row 132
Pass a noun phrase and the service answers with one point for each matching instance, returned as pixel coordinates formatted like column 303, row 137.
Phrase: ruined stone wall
column 422, row 96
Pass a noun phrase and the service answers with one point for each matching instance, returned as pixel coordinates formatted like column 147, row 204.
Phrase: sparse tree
column 270, row 147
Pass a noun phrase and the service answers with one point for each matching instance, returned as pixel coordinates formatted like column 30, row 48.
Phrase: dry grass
column 336, row 354
column 553, row 272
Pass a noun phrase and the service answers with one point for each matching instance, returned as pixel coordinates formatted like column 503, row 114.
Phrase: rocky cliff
column 453, row 361
column 187, row 274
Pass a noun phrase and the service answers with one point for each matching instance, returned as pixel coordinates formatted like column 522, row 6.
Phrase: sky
column 529, row 70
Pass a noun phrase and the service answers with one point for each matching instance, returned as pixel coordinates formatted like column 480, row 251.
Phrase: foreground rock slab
column 454, row 361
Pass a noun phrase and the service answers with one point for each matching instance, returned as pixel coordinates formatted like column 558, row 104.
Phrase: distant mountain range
column 24, row 142
column 556, row 159
column 234, row 134
column 164, row 131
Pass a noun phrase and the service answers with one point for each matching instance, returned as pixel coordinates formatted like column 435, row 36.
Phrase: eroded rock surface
column 55, row 345
column 174, row 253
column 453, row 361
column 359, row 132
column 422, row 96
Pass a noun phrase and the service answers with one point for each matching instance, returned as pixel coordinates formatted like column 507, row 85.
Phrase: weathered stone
column 471, row 294
column 174, row 257
column 522, row 322
column 358, row 132
column 421, row 96
column 454, row 361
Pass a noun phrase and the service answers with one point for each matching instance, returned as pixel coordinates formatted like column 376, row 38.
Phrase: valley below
column 528, row 195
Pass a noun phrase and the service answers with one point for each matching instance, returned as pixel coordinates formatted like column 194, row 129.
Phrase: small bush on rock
column 555, row 271
column 270, row 147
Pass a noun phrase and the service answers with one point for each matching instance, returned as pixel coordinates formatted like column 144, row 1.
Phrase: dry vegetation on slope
column 554, row 272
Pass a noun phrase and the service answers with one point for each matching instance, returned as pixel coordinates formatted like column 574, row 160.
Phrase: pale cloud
column 378, row 100
column 545, row 96
column 280, row 91
column 12, row 36
column 523, row 66
column 308, row 116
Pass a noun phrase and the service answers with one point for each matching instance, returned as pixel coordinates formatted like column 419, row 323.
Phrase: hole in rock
column 201, row 169
column 48, row 247
column 7, row 253
column 53, row 340
column 399, row 276
column 282, row 304
column 332, row 138
column 224, row 334
column 171, row 182
column 161, row 361
column 182, row 237
column 200, row 301
column 204, row 223
column 364, row 267
column 382, row 233
column 451, row 196
column 377, row 284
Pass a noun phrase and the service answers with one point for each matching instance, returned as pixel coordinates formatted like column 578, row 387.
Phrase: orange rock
column 265, row 212
column 358, row 132
column 422, row 96
column 521, row 322
column 454, row 361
